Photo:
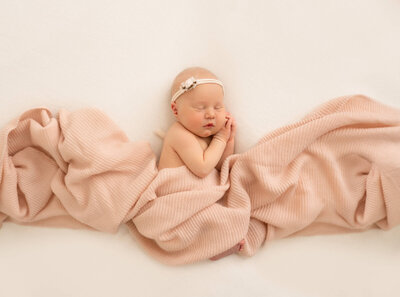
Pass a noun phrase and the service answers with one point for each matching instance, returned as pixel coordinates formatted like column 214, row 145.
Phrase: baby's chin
column 205, row 133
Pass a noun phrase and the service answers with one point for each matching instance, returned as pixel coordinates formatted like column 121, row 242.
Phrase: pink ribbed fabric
column 336, row 170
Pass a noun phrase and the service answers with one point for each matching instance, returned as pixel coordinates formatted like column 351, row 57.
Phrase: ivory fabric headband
column 192, row 82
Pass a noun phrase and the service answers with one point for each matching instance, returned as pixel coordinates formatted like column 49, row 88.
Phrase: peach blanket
column 336, row 170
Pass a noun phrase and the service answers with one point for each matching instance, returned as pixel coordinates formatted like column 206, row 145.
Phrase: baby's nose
column 210, row 113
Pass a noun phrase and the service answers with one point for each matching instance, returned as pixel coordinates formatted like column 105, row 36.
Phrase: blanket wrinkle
column 335, row 170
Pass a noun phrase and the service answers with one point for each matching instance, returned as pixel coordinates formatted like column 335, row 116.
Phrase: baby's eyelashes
column 202, row 106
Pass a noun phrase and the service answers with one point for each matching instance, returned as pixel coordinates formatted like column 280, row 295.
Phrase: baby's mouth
column 209, row 125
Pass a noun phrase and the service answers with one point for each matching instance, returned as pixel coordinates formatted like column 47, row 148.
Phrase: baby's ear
column 174, row 109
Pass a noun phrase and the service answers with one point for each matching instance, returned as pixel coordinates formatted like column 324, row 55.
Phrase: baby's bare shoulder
column 179, row 135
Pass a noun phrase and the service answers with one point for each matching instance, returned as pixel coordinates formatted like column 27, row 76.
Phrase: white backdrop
column 277, row 59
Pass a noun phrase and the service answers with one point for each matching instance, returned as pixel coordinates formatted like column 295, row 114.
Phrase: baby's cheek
column 220, row 124
column 222, row 119
column 195, row 119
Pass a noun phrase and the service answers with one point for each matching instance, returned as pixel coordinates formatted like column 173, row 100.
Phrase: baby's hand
column 233, row 127
column 225, row 133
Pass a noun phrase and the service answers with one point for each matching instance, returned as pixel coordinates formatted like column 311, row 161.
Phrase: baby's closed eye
column 203, row 107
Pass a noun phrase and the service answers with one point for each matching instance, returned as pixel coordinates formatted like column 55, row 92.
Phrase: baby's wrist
column 220, row 139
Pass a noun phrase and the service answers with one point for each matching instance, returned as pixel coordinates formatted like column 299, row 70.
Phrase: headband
column 191, row 83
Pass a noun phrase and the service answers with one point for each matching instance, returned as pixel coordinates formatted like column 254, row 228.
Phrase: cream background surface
column 277, row 59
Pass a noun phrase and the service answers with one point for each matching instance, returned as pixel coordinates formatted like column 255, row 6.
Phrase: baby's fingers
column 233, row 131
column 233, row 126
column 228, row 123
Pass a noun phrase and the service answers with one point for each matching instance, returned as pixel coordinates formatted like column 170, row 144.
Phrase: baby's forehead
column 207, row 93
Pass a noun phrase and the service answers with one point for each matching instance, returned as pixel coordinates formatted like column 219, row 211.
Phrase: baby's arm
column 189, row 150
column 229, row 150
column 200, row 162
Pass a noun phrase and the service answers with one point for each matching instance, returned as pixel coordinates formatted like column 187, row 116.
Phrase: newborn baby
column 204, row 132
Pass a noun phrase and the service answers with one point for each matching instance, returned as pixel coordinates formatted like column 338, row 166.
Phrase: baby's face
column 201, row 110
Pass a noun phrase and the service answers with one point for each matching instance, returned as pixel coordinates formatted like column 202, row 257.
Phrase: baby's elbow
column 203, row 173
column 200, row 172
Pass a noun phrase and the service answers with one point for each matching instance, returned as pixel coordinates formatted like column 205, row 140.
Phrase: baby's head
column 200, row 109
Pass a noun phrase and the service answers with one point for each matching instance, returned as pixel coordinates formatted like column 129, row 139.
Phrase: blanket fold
column 335, row 170
column 70, row 170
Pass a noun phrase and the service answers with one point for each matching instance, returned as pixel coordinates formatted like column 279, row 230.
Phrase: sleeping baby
column 203, row 135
